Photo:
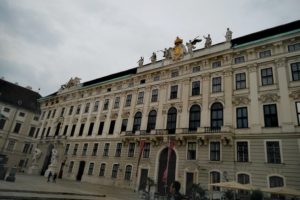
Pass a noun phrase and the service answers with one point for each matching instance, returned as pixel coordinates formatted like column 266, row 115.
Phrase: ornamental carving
column 103, row 117
column 166, row 107
column 216, row 99
column 295, row 94
column 252, row 68
column 93, row 118
column 83, row 120
column 75, row 120
column 125, row 114
column 71, row 83
column 280, row 62
column 241, row 100
column 114, row 115
column 267, row 98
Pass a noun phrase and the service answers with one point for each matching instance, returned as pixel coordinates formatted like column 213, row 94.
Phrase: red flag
column 165, row 176
column 142, row 145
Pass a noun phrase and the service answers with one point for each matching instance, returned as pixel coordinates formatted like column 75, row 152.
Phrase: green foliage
column 228, row 195
column 198, row 193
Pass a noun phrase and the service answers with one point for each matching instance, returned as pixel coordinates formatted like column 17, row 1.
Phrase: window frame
column 191, row 153
column 174, row 92
column 270, row 119
column 267, row 76
column 216, row 84
column 295, row 73
column 277, row 152
column 243, row 153
column 242, row 121
column 215, row 154
column 196, row 88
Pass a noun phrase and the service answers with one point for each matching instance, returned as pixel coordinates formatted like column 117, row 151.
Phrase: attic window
column 143, row 81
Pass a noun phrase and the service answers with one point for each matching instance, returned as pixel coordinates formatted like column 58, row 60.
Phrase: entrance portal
column 163, row 183
column 143, row 179
column 80, row 170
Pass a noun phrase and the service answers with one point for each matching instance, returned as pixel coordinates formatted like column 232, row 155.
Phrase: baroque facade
column 226, row 112
column 19, row 122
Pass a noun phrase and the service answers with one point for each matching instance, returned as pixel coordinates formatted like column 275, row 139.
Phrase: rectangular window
column 270, row 115
column 273, row 152
column 62, row 112
column 128, row 100
column 128, row 172
column 240, row 81
column 81, row 130
column 191, row 151
column 216, row 64
column 239, row 59
column 95, row 149
column 264, row 54
column 10, row 145
column 215, row 151
column 73, row 130
column 146, row 151
column 78, row 109
column 216, row 84
column 267, row 76
column 156, row 78
column 174, row 89
column 54, row 112
column 112, row 127
column 115, row 169
column 48, row 131
column 298, row 112
column 21, row 114
column 106, row 149
column 196, row 88
column 26, row 148
column 2, row 123
column 84, row 149
column 131, row 148
column 71, row 165
column 36, row 118
column 101, row 127
column 294, row 47
column 17, row 128
column 87, row 108
column 118, row 150
column 117, row 102
column 96, row 106
column 242, row 117
column 242, row 152
column 124, row 125
column 7, row 110
column 49, row 114
column 31, row 132
column 91, row 129
column 71, row 110
column 196, row 69
column 37, row 133
column 154, row 96
column 106, row 103
column 67, row 149
column 75, row 149
column 143, row 81
column 295, row 67
column 91, row 169
column 174, row 74
column 65, row 130
column 102, row 169
column 140, row 98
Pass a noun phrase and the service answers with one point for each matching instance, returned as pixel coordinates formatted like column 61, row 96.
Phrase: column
column 228, row 98
column 205, row 115
column 161, row 115
column 119, row 118
column 184, row 115
column 145, row 108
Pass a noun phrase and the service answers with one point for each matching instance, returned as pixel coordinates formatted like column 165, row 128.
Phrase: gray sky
column 44, row 43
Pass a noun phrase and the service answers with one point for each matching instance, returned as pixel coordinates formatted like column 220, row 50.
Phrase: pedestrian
column 174, row 191
column 54, row 178
column 49, row 176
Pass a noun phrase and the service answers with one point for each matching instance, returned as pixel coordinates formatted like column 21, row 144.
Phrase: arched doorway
column 164, row 181
column 80, row 170
column 47, row 159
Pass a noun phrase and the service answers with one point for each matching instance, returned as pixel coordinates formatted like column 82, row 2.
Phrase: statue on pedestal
column 228, row 35
column 153, row 58
column 207, row 41
column 54, row 157
column 36, row 156
column 141, row 62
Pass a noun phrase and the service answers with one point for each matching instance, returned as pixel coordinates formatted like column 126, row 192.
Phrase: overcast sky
column 45, row 43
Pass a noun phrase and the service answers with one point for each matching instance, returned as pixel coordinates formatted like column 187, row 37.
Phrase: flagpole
column 167, row 169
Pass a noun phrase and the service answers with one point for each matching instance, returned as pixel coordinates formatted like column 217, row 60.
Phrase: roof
column 16, row 95
column 266, row 33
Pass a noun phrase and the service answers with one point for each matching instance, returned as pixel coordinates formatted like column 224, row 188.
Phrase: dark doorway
column 61, row 171
column 80, row 170
column 47, row 159
column 189, row 183
column 162, row 183
column 57, row 129
column 143, row 179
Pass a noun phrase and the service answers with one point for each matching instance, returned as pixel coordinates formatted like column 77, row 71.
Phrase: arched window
column 243, row 178
column 216, row 116
column 194, row 122
column 151, row 121
column 137, row 122
column 276, row 181
column 171, row 121
column 128, row 172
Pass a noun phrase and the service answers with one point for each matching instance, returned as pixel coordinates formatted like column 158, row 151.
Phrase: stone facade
column 229, row 110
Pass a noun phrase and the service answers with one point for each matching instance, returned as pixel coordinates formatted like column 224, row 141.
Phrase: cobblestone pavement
column 37, row 187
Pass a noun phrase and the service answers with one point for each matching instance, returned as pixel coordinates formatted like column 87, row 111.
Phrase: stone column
column 131, row 116
column 228, row 98
column 146, row 108
column 284, row 104
column 205, row 115
column 119, row 118
column 162, row 100
column 254, row 109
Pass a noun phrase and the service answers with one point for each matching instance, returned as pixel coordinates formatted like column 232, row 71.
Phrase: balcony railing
column 212, row 129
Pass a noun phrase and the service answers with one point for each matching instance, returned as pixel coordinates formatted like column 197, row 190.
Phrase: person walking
column 174, row 191
column 54, row 178
column 49, row 176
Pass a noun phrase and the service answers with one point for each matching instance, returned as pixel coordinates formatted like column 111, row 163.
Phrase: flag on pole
column 142, row 145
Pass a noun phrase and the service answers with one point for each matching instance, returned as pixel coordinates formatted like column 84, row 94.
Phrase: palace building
column 225, row 112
